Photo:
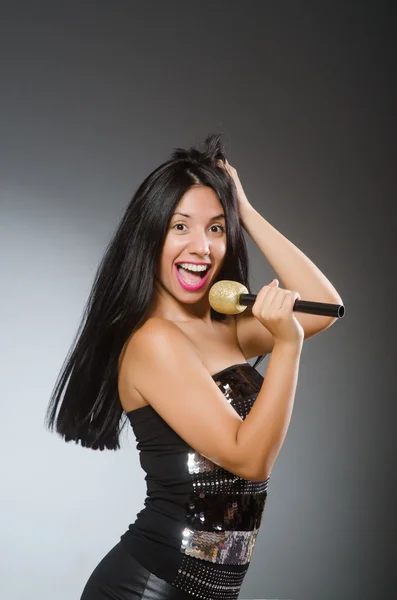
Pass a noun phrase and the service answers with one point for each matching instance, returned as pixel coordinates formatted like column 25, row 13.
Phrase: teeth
column 193, row 267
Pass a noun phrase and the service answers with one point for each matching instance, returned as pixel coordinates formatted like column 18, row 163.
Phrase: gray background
column 94, row 95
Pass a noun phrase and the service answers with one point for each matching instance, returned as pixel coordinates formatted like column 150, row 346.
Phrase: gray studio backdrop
column 94, row 96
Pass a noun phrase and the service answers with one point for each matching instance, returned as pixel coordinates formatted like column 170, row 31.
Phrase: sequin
column 224, row 511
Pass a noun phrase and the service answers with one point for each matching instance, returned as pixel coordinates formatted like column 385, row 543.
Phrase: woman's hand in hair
column 243, row 202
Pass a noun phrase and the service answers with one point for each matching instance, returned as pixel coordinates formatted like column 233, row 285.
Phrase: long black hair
column 90, row 411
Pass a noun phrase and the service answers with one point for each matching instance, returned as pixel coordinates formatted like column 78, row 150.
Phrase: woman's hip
column 119, row 576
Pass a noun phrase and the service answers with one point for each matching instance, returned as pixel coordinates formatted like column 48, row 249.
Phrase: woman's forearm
column 261, row 435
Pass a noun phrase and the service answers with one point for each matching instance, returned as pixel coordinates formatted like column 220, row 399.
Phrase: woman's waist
column 223, row 533
column 203, row 510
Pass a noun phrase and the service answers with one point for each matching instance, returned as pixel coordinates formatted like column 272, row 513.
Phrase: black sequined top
column 200, row 522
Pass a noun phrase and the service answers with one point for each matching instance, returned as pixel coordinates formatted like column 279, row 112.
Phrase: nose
column 199, row 243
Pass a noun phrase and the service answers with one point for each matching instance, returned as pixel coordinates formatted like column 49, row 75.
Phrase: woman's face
column 197, row 238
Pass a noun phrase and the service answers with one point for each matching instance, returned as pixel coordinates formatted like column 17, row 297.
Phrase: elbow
column 255, row 474
column 263, row 476
column 260, row 477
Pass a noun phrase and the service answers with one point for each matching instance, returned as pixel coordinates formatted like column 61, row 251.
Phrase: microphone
column 231, row 297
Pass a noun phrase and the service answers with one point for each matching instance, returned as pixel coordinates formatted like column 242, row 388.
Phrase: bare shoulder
column 157, row 340
column 163, row 333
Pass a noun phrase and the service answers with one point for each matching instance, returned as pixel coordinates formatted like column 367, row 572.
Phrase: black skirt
column 120, row 577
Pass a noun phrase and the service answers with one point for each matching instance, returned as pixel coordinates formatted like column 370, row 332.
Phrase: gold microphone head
column 223, row 297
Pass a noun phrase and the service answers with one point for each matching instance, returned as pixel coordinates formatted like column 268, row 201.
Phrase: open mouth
column 191, row 280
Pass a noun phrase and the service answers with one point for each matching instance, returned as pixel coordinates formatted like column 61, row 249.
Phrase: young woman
column 209, row 427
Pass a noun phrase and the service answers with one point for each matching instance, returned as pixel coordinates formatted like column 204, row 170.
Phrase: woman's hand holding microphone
column 273, row 307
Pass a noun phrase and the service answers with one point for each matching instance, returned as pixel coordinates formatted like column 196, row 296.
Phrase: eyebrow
column 189, row 216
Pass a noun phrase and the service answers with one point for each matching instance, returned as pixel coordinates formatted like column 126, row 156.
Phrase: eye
column 183, row 224
column 220, row 226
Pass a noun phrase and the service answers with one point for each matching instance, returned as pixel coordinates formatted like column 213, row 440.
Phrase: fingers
column 269, row 297
column 277, row 298
column 225, row 165
column 289, row 300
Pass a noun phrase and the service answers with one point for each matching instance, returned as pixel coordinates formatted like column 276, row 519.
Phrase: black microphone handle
column 305, row 306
